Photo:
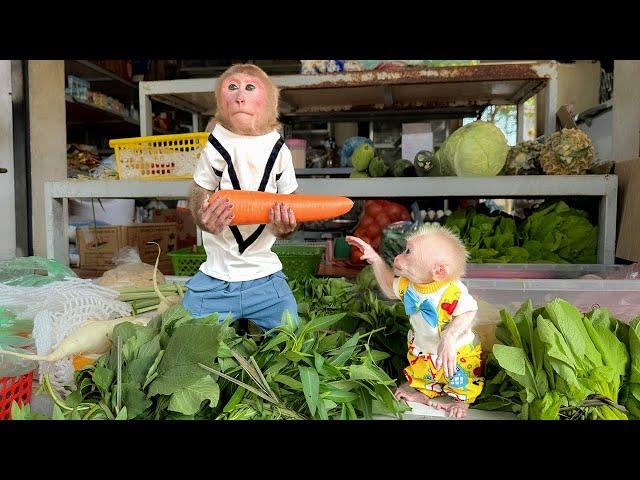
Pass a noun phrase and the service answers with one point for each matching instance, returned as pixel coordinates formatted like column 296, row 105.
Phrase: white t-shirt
column 424, row 337
column 242, row 256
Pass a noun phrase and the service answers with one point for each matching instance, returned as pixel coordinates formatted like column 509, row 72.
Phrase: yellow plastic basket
column 158, row 157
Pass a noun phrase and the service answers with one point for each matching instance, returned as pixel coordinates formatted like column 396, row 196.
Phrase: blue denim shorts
column 263, row 301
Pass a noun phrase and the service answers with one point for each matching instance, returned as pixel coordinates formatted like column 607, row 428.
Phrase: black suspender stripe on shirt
column 243, row 243
column 227, row 158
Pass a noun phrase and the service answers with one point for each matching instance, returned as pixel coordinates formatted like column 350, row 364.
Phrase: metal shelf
column 603, row 186
column 408, row 94
column 107, row 81
column 444, row 92
column 81, row 113
column 307, row 172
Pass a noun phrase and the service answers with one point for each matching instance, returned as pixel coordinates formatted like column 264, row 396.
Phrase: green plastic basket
column 186, row 262
column 297, row 260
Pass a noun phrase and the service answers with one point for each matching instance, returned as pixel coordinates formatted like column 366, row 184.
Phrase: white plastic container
column 620, row 297
column 541, row 270
column 298, row 147
column 114, row 211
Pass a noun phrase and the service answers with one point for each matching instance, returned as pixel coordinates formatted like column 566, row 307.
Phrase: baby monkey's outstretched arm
column 384, row 274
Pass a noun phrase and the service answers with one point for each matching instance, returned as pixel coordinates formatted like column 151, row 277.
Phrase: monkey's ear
column 440, row 271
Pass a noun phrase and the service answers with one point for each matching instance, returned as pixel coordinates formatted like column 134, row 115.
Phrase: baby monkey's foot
column 405, row 392
column 455, row 409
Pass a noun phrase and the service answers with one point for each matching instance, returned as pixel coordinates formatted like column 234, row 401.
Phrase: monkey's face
column 244, row 99
column 425, row 260
column 413, row 262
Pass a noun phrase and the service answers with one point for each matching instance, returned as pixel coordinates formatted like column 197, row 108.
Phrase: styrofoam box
column 620, row 297
column 540, row 270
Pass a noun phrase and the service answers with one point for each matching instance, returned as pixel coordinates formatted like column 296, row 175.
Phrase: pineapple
column 568, row 152
column 523, row 159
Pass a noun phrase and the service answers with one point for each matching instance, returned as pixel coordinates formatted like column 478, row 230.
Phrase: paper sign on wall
column 416, row 137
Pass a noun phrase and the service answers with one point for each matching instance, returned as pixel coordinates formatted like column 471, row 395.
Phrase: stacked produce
column 568, row 152
column 523, row 159
column 555, row 234
column 377, row 215
column 474, row 150
column 556, row 363
column 349, row 146
column 366, row 164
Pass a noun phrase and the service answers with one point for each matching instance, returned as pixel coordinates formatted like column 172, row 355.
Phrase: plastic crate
column 298, row 260
column 14, row 388
column 620, row 297
column 540, row 270
column 158, row 157
column 186, row 262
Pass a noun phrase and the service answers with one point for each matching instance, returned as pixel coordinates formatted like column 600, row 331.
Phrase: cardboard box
column 628, row 246
column 186, row 226
column 98, row 247
column 162, row 233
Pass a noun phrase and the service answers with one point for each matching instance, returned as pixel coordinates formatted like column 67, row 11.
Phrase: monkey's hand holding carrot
column 282, row 220
column 215, row 216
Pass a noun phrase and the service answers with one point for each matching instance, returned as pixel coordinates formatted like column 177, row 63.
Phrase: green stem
column 56, row 399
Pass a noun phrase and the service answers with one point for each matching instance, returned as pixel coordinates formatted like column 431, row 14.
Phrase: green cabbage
column 478, row 149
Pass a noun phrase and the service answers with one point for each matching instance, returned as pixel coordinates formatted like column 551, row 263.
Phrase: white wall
column 7, row 192
column 626, row 110
column 578, row 85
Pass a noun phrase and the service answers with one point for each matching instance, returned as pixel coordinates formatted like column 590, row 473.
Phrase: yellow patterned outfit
column 430, row 308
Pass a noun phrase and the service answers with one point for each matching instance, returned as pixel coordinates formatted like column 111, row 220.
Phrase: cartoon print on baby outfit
column 427, row 322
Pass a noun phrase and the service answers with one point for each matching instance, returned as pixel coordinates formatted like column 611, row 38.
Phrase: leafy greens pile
column 556, row 363
column 179, row 367
column 554, row 234
column 363, row 311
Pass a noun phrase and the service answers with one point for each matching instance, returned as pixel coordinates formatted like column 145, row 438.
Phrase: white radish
column 447, row 213
column 91, row 337
column 439, row 214
column 165, row 302
column 431, row 214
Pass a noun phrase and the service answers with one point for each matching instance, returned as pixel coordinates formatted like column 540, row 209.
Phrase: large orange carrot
column 252, row 208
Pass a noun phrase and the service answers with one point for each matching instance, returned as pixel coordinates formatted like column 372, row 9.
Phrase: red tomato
column 372, row 231
column 373, row 208
column 376, row 244
column 366, row 221
column 404, row 216
column 383, row 219
column 395, row 210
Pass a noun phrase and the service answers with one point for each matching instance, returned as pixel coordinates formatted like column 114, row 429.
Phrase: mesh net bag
column 57, row 310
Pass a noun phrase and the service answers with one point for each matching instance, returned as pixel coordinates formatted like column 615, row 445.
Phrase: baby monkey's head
column 433, row 254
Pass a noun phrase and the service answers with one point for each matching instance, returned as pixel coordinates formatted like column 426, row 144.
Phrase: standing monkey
column 241, row 274
column 444, row 353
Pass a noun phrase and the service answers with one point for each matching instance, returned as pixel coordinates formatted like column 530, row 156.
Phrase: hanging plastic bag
column 394, row 235
column 32, row 271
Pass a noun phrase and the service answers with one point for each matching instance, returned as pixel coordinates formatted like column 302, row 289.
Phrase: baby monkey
column 444, row 353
